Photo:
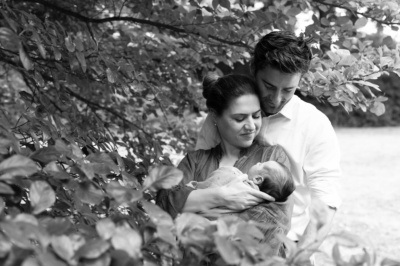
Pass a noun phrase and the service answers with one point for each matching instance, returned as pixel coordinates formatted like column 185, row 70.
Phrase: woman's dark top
column 198, row 165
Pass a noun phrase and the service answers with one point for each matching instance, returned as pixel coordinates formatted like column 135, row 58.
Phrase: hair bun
column 208, row 83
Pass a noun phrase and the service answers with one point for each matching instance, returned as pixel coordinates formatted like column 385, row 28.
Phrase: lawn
column 371, row 187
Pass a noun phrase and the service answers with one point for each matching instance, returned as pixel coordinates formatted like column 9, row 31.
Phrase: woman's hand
column 238, row 196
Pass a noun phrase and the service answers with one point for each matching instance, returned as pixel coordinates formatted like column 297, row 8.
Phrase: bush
column 357, row 118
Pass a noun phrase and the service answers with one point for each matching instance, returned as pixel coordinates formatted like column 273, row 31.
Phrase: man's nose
column 277, row 97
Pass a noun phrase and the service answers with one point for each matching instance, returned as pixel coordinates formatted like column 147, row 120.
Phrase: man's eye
column 257, row 116
column 239, row 119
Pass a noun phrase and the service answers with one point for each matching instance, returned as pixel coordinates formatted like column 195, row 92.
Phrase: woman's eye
column 257, row 116
column 239, row 119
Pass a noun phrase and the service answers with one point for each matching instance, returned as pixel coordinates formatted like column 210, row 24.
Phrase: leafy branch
column 354, row 11
column 94, row 105
column 134, row 20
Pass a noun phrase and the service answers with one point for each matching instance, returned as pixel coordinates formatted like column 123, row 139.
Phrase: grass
column 370, row 188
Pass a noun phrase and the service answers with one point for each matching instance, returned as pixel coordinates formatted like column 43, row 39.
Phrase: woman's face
column 240, row 122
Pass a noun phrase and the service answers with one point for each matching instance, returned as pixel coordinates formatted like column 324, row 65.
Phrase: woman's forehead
column 245, row 104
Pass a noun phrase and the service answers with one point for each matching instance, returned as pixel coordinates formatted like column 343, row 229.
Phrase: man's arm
column 322, row 170
column 208, row 136
column 317, row 229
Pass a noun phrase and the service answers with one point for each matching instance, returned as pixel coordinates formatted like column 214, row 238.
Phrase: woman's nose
column 250, row 125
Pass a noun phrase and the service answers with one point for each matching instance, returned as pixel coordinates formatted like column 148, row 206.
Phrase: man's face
column 276, row 88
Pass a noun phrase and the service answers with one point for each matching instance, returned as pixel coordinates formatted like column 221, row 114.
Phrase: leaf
column 42, row 196
column 56, row 226
column 6, row 189
column 39, row 79
column 21, row 234
column 103, row 158
column 5, row 245
column 228, row 251
column 162, row 177
column 347, row 61
column 105, row 228
column 110, row 75
column 127, row 240
column 103, row 260
column 293, row 11
column 378, row 108
column 17, row 165
column 26, row 218
column 215, row 4
column 57, row 54
column 25, row 60
column 2, row 205
column 69, row 45
column 337, row 257
column 367, row 83
column 333, row 56
column 46, row 155
column 47, row 259
column 89, row 194
column 79, row 44
column 62, row 246
column 81, row 59
column 9, row 39
column 352, row 88
column 31, row 261
column 122, row 194
column 226, row 4
column 163, row 221
column 389, row 262
column 130, row 181
column 384, row 61
column 93, row 249
column 361, row 22
column 56, row 171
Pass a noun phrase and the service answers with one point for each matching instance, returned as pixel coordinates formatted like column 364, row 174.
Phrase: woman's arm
column 235, row 196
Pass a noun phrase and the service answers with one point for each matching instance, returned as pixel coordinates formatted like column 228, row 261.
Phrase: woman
column 235, row 107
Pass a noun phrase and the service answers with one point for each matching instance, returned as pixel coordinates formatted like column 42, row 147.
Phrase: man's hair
column 284, row 51
column 277, row 183
column 219, row 92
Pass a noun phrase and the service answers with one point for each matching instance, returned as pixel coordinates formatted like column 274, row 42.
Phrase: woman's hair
column 284, row 51
column 220, row 91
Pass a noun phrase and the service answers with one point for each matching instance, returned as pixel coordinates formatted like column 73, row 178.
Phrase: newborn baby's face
column 260, row 170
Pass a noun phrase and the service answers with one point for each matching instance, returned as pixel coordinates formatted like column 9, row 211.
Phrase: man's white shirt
column 310, row 142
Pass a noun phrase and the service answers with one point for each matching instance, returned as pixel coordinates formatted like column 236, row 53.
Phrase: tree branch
column 107, row 109
column 134, row 20
column 354, row 11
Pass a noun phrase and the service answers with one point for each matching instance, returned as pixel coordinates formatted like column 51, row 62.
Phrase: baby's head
column 273, row 178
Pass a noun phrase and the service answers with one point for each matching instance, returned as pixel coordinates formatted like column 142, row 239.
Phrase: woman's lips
column 248, row 135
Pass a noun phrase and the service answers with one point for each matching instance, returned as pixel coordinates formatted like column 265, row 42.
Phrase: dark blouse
column 198, row 165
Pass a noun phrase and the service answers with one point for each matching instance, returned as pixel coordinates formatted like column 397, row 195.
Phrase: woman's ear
column 213, row 115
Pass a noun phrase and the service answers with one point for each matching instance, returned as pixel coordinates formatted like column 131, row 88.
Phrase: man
column 280, row 60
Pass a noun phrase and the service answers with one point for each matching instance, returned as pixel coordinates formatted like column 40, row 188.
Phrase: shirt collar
column 289, row 108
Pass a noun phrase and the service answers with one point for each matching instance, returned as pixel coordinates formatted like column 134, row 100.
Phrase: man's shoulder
column 308, row 112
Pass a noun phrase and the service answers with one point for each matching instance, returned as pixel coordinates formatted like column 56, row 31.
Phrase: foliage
column 358, row 118
column 84, row 81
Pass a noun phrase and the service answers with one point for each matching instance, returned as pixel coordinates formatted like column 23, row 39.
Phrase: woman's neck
column 230, row 154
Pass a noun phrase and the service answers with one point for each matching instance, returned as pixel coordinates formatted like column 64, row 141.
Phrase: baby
column 270, row 177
